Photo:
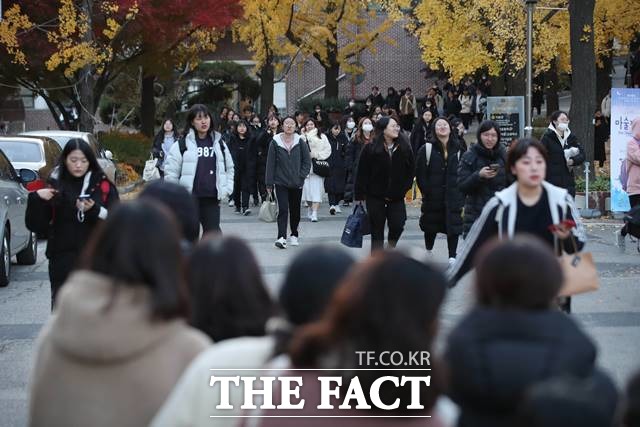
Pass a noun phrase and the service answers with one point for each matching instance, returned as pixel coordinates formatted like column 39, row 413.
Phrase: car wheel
column 5, row 261
column 29, row 255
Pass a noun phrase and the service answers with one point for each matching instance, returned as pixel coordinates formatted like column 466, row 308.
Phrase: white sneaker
column 281, row 243
column 314, row 217
column 293, row 241
column 452, row 261
column 231, row 203
column 332, row 210
column 338, row 210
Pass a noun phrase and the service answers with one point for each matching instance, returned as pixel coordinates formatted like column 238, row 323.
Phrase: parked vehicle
column 38, row 153
column 15, row 237
column 105, row 157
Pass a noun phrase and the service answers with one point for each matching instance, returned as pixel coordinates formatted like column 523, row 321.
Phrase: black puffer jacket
column 58, row 217
column 558, row 173
column 479, row 190
column 383, row 176
column 438, row 182
column 262, row 140
column 420, row 134
column 352, row 157
column 336, row 181
column 245, row 155
column 494, row 356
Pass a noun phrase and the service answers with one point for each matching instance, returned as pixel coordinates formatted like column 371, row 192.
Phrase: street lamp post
column 531, row 4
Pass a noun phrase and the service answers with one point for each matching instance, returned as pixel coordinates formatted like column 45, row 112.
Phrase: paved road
column 611, row 316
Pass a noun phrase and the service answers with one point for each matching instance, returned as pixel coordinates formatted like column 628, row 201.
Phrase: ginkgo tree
column 334, row 32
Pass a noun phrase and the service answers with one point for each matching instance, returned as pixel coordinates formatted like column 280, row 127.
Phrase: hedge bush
column 130, row 148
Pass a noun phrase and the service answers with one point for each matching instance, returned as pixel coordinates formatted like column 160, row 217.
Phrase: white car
column 105, row 157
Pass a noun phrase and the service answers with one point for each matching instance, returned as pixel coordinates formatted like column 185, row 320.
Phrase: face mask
column 351, row 125
column 257, row 125
column 317, row 110
column 351, row 104
column 562, row 126
column 367, row 127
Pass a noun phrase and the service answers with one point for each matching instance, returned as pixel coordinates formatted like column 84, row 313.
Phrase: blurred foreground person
column 385, row 291
column 513, row 338
column 307, row 288
column 631, row 407
column 116, row 344
column 570, row 402
column 529, row 205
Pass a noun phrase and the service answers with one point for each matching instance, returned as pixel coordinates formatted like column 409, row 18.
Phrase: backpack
column 182, row 145
column 428, row 147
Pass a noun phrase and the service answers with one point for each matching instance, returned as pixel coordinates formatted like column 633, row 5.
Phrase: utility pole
column 528, row 127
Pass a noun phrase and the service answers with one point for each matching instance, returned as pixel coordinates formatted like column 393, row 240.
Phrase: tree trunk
column 267, row 73
column 86, row 77
column 331, row 74
column 516, row 85
column 583, row 78
column 551, row 88
column 147, row 105
column 603, row 78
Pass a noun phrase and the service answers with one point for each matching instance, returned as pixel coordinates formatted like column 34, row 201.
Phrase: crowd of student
column 151, row 311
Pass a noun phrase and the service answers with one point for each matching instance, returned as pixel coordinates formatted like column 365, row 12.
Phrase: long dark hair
column 194, row 111
column 385, row 292
column 139, row 245
column 378, row 139
column 64, row 177
column 228, row 295
column 246, row 124
column 315, row 123
column 485, row 126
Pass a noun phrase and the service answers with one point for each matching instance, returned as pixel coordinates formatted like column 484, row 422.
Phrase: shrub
column 126, row 174
column 329, row 105
column 600, row 183
column 131, row 148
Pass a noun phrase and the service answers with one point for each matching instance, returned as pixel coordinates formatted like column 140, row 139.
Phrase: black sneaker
column 246, row 212
column 238, row 211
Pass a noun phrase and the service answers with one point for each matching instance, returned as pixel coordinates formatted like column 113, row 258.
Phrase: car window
column 61, row 140
column 21, row 151
column 6, row 170
column 52, row 151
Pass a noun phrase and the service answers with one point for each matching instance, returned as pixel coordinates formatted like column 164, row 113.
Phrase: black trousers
column 209, row 214
column 289, row 200
column 406, row 121
column 381, row 211
column 452, row 243
column 466, row 119
column 334, row 198
column 60, row 267
column 260, row 188
column 634, row 200
column 242, row 191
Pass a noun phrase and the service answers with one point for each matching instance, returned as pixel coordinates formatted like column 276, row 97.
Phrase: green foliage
column 218, row 80
column 329, row 105
column 601, row 183
column 131, row 148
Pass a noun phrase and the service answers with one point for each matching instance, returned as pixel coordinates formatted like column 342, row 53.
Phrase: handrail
column 319, row 88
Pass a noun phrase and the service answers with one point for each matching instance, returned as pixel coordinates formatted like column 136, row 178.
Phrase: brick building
column 398, row 65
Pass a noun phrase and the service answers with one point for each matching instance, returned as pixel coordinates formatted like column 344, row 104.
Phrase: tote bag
column 579, row 270
column 150, row 172
column 268, row 210
column 355, row 228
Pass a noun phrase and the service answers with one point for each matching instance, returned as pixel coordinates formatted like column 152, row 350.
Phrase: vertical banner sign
column 625, row 106
column 508, row 112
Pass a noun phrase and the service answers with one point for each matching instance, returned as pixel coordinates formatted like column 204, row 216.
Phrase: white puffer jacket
column 182, row 169
column 320, row 147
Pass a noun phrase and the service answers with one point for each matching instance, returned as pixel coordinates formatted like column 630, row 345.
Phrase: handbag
column 579, row 271
column 321, row 168
column 268, row 210
column 150, row 172
column 355, row 227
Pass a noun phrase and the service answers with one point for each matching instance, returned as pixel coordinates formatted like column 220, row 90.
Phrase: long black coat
column 244, row 156
column 336, row 181
column 352, row 157
column 382, row 176
column 420, row 134
column 479, row 190
column 494, row 356
column 261, row 141
column 438, row 182
column 558, row 173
